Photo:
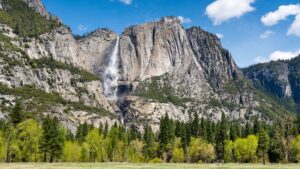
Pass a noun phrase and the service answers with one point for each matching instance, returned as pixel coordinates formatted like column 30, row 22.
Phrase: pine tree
column 221, row 137
column 16, row 116
column 148, row 149
column 297, row 124
column 134, row 133
column 51, row 142
column 178, row 129
column 195, row 125
column 70, row 136
column 105, row 129
column 233, row 132
column 101, row 128
column 82, row 131
column 202, row 131
column 166, row 135
column 209, row 131
column 256, row 126
column 263, row 144
column 276, row 150
column 247, row 130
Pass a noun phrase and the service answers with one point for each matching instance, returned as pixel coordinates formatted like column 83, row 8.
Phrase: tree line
column 198, row 140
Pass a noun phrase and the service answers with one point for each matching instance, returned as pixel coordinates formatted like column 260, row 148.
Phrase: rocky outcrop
column 25, row 68
column 153, row 49
column 38, row 7
column 161, row 68
column 98, row 45
column 190, row 64
column 59, row 45
column 279, row 78
column 216, row 61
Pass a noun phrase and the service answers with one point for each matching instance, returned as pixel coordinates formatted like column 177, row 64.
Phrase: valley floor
column 143, row 166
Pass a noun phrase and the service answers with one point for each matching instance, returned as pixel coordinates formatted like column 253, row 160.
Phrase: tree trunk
column 264, row 160
column 8, row 157
column 45, row 156
column 51, row 158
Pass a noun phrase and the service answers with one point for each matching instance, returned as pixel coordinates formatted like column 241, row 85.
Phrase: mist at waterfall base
column 111, row 75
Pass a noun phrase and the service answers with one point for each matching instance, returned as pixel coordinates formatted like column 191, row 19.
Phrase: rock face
column 217, row 63
column 50, row 64
column 279, row 78
column 190, row 65
column 162, row 68
column 38, row 6
column 98, row 47
column 61, row 46
column 154, row 49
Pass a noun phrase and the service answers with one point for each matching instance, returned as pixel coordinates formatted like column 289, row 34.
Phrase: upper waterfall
column 111, row 74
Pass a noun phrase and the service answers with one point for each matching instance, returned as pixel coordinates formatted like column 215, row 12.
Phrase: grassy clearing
column 144, row 166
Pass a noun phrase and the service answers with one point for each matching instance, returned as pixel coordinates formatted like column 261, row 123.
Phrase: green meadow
column 143, row 166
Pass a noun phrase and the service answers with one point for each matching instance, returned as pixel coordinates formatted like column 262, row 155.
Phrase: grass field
column 143, row 166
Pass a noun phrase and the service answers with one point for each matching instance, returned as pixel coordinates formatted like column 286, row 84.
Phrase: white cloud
column 266, row 34
column 284, row 11
column 184, row 20
column 126, row 2
column 82, row 28
column 295, row 27
column 272, row 18
column 278, row 55
column 219, row 35
column 223, row 10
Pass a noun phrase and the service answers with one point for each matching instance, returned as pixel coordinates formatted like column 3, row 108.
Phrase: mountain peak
column 170, row 20
column 38, row 6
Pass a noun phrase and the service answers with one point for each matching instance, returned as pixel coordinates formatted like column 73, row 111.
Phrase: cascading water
column 111, row 75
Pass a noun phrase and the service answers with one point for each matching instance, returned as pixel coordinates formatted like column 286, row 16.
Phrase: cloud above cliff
column 82, row 28
column 223, row 10
column 266, row 34
column 126, row 2
column 219, row 35
column 184, row 20
column 282, row 13
column 278, row 55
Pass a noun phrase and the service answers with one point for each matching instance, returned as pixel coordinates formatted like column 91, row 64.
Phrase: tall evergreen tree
column 51, row 142
column 195, row 125
column 298, row 124
column 101, row 128
column 202, row 131
column 178, row 128
column 148, row 149
column 166, row 135
column 105, row 129
column 221, row 137
column 276, row 150
column 233, row 132
column 247, row 130
column 209, row 131
column 256, row 126
column 16, row 116
column 263, row 144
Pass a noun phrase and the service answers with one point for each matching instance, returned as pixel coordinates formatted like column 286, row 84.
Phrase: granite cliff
column 159, row 67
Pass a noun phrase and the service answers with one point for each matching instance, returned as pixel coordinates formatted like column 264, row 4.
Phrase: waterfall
column 111, row 75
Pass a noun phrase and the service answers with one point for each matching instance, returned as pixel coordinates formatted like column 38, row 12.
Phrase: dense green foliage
column 266, row 79
column 40, row 101
column 24, row 20
column 85, row 76
column 24, row 139
column 156, row 88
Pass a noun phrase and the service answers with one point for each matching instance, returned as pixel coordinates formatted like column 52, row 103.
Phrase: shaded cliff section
column 281, row 79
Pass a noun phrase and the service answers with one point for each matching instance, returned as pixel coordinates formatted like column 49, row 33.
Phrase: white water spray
column 111, row 75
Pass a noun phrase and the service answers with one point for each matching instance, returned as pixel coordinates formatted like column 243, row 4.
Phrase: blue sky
column 244, row 34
